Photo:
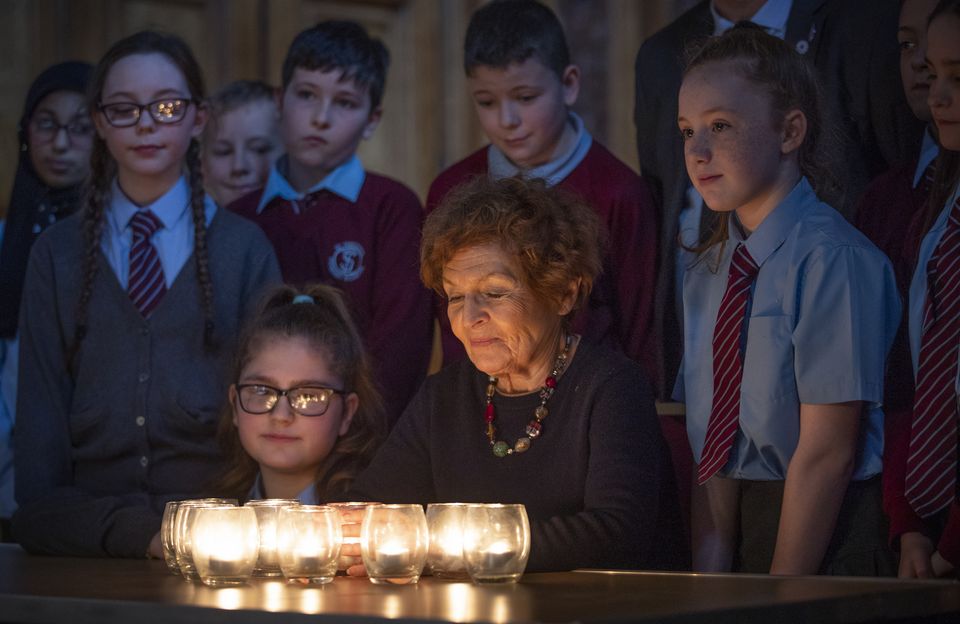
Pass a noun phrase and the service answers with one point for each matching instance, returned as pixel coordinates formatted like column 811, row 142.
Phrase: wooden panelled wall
column 428, row 119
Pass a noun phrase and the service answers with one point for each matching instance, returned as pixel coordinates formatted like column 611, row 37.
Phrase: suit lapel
column 805, row 25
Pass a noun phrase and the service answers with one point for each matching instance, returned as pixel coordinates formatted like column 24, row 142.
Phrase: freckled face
column 505, row 330
column 283, row 441
column 523, row 108
column 238, row 153
column 912, row 38
column 731, row 145
column 943, row 56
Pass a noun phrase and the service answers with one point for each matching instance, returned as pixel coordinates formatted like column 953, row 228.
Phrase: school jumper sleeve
column 99, row 525
column 401, row 316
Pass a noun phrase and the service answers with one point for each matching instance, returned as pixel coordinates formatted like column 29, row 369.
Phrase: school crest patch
column 346, row 261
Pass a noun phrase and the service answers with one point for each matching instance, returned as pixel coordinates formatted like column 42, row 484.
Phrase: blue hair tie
column 303, row 299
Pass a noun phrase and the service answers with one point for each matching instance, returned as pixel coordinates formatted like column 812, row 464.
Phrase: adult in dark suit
column 853, row 45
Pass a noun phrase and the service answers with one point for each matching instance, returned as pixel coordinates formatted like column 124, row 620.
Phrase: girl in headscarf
column 56, row 137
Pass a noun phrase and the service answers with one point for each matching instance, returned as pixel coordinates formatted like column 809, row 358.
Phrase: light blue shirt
column 552, row 172
column 173, row 241
column 918, row 286
column 8, row 402
column 345, row 181
column 772, row 16
column 308, row 496
column 823, row 313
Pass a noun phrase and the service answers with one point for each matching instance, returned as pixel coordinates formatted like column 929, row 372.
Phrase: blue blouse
column 823, row 312
column 918, row 286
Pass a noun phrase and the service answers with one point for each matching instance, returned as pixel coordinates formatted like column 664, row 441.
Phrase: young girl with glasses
column 304, row 415
column 129, row 319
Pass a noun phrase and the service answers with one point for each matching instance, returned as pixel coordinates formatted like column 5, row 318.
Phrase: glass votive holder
column 166, row 536
column 445, row 527
column 308, row 543
column 225, row 544
column 393, row 543
column 496, row 542
column 182, row 524
column 267, row 511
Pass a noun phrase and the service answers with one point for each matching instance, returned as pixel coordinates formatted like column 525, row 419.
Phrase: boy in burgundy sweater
column 331, row 221
column 523, row 85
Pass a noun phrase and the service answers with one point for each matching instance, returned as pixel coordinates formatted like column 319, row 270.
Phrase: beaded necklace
column 535, row 426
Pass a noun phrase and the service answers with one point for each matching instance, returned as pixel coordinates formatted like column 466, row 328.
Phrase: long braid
column 97, row 195
column 198, row 211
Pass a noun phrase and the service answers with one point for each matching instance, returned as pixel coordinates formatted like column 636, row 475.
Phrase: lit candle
column 393, row 543
column 445, row 556
column 308, row 543
column 499, row 542
column 268, row 563
column 224, row 544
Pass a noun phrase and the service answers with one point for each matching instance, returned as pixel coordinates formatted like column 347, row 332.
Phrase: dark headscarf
column 33, row 205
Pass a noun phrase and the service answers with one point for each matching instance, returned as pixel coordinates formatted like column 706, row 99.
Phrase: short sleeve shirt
column 822, row 315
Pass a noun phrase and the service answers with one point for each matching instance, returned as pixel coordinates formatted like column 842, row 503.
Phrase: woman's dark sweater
column 597, row 483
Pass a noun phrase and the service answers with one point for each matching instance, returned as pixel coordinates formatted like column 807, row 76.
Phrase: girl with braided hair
column 129, row 321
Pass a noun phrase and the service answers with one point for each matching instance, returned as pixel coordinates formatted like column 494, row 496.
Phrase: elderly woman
column 537, row 415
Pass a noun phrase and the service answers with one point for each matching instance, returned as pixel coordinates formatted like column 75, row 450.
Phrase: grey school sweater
column 98, row 451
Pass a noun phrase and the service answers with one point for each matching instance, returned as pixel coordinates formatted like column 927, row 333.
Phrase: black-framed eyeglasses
column 126, row 114
column 47, row 128
column 304, row 400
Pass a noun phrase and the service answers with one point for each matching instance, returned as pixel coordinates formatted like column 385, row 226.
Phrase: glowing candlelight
column 308, row 543
column 268, row 563
column 393, row 543
column 225, row 544
column 445, row 555
column 498, row 542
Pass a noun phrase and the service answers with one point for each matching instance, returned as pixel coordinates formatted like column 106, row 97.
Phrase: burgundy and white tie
column 727, row 365
column 146, row 284
column 932, row 457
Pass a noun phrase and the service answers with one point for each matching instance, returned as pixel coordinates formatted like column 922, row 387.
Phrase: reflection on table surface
column 49, row 589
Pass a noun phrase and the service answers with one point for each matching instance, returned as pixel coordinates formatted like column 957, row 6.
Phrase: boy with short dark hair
column 331, row 221
column 523, row 85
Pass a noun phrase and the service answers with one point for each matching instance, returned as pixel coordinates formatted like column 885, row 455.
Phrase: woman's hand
column 350, row 559
column 941, row 567
column 916, row 551
column 155, row 549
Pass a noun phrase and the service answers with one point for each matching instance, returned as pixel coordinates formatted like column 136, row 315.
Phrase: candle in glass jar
column 225, row 544
column 308, row 543
column 393, row 543
column 268, row 563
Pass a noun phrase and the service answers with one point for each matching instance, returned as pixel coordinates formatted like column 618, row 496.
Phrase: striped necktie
column 146, row 284
column 932, row 458
column 727, row 365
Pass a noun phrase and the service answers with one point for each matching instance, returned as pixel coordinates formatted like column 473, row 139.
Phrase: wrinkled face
column 60, row 139
column 148, row 149
column 323, row 119
column 239, row 148
column 523, row 108
column 504, row 328
column 731, row 145
column 912, row 37
column 283, row 441
column 943, row 56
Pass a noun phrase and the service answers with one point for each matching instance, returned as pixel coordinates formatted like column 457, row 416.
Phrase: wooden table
column 53, row 589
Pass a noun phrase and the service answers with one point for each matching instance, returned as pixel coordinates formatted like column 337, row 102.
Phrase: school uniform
column 853, row 45
column 306, row 496
column 942, row 527
column 360, row 232
column 618, row 313
column 105, row 440
column 822, row 312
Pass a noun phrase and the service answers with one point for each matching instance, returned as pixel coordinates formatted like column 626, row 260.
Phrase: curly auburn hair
column 554, row 237
column 327, row 326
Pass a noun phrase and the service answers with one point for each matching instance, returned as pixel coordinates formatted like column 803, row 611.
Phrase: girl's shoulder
column 63, row 238
column 822, row 229
column 236, row 232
